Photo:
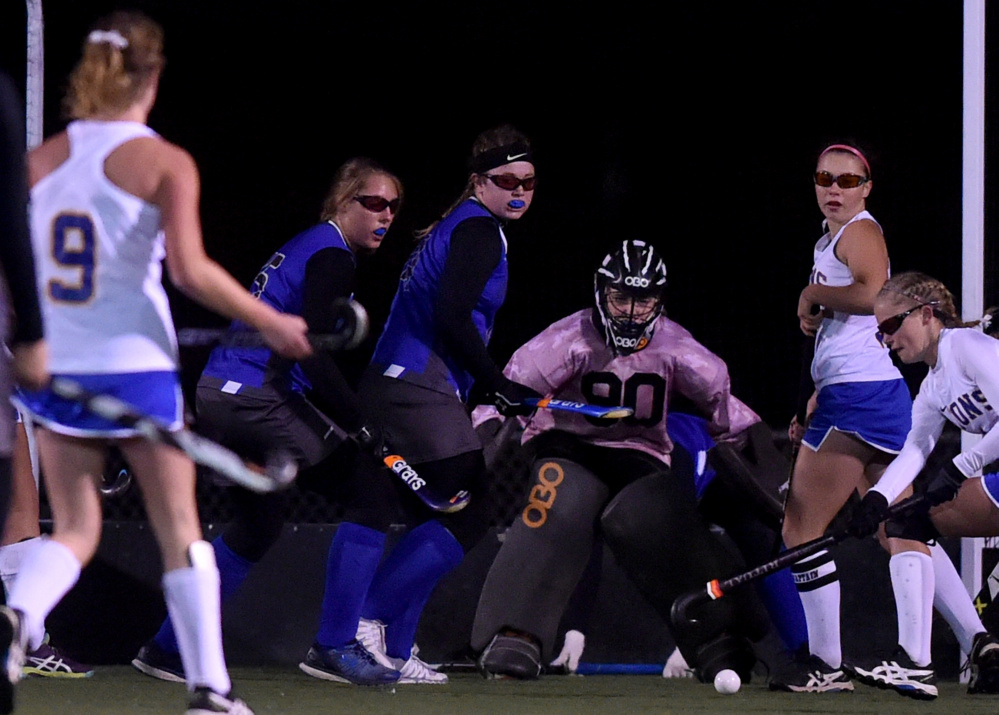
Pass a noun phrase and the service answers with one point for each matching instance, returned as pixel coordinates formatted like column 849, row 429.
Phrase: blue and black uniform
column 430, row 354
column 254, row 402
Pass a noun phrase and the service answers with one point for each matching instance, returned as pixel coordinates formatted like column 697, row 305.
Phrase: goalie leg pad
column 659, row 539
column 543, row 555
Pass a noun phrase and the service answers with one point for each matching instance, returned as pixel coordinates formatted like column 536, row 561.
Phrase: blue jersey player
column 255, row 401
column 431, row 352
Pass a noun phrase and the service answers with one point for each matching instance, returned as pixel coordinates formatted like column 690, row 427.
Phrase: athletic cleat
column 205, row 701
column 371, row 634
column 898, row 673
column 350, row 664
column 811, row 675
column 13, row 656
column 510, row 655
column 983, row 663
column 153, row 660
column 415, row 672
column 49, row 662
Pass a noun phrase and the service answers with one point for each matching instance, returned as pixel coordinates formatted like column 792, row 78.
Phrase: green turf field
column 120, row 689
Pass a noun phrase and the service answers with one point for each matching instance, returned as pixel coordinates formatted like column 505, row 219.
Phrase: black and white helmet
column 633, row 278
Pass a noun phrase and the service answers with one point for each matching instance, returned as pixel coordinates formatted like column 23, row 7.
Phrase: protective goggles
column 509, row 182
column 845, row 181
column 890, row 326
column 377, row 204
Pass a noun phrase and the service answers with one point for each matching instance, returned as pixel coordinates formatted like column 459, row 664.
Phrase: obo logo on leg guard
column 542, row 495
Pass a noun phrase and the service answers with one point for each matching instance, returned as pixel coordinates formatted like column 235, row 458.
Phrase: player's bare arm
column 862, row 249
column 177, row 194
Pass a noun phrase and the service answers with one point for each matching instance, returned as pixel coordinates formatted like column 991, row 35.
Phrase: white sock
column 818, row 586
column 951, row 598
column 912, row 582
column 192, row 596
column 47, row 573
column 11, row 558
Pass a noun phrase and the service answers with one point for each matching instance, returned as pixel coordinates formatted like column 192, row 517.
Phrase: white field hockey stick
column 417, row 485
column 279, row 472
column 349, row 331
column 603, row 413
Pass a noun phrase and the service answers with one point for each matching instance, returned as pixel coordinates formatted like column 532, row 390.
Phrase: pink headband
column 847, row 148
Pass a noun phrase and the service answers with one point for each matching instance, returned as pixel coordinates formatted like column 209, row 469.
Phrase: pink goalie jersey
column 571, row 361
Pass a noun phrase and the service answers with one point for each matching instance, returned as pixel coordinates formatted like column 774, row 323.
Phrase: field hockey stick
column 409, row 476
column 805, row 389
column 369, row 443
column 717, row 588
column 279, row 472
column 597, row 411
column 349, row 331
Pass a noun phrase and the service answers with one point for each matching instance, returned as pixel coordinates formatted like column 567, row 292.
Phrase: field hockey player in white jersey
column 110, row 200
column 858, row 423
column 917, row 319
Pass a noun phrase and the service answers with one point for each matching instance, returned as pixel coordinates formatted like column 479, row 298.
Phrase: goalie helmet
column 630, row 290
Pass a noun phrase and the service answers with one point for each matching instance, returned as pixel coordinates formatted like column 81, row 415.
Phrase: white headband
column 112, row 37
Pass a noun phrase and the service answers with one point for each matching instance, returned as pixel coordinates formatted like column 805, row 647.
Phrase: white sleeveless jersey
column 963, row 388
column 98, row 251
column 847, row 347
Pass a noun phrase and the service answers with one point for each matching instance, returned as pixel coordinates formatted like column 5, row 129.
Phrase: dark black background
column 692, row 125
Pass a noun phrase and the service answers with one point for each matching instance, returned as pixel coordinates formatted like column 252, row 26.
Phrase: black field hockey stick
column 806, row 387
column 278, row 473
column 409, row 476
column 604, row 413
column 349, row 331
column 718, row 588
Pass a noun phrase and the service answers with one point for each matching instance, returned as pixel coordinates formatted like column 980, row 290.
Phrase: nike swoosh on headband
column 515, row 156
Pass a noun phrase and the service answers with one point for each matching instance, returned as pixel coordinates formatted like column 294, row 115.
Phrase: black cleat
column 153, row 660
column 983, row 662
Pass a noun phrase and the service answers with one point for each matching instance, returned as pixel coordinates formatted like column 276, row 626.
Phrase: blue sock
column 780, row 596
column 233, row 570
column 351, row 565
column 405, row 581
